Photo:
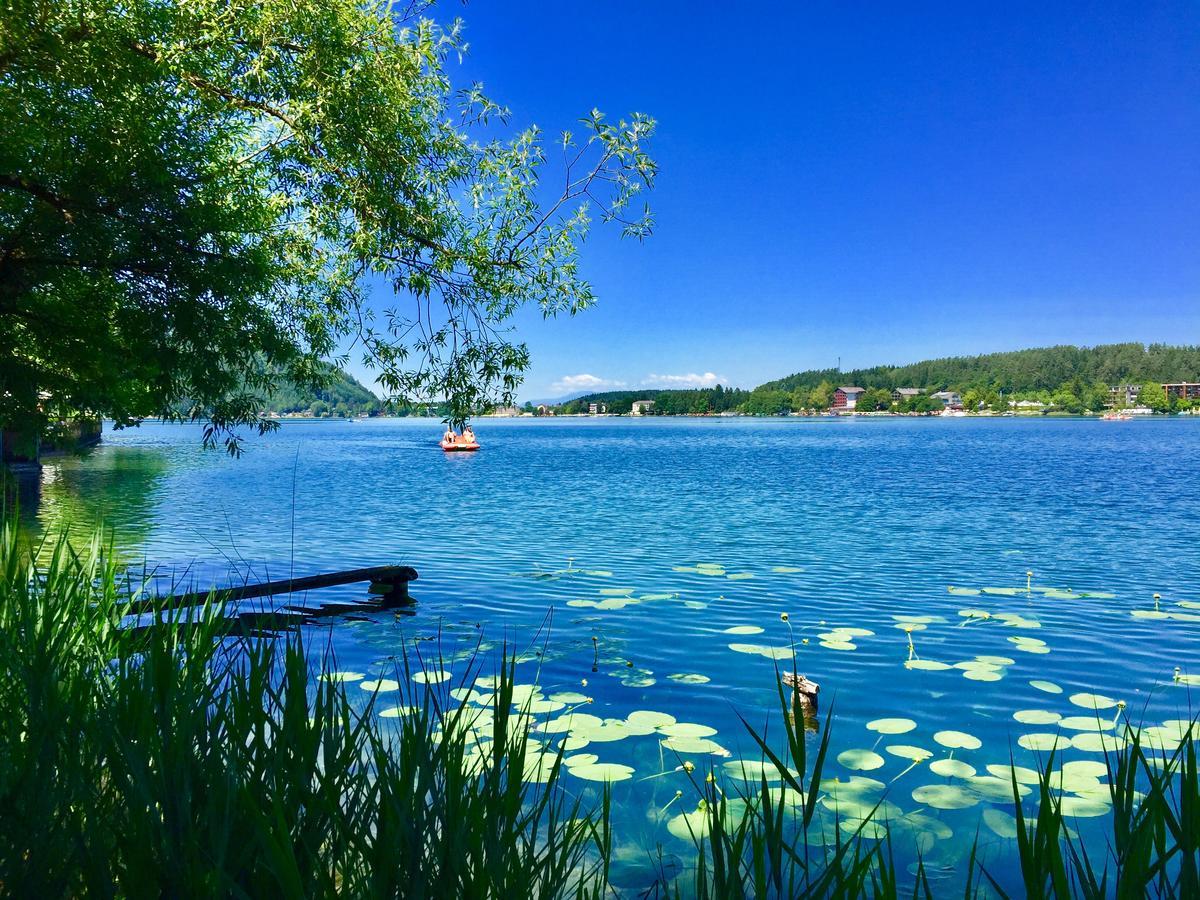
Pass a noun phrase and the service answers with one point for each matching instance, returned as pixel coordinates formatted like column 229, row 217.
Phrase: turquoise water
column 685, row 529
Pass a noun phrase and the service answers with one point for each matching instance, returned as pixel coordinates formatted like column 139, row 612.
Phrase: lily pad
column 687, row 730
column 860, row 760
column 927, row 665
column 383, row 685
column 839, row 645
column 1036, row 716
column 1093, row 701
column 690, row 678
column 1043, row 741
column 693, row 745
column 958, row 740
column 342, row 677
column 1001, row 823
column 763, row 650
column 690, row 826
column 744, row 629
column 951, row 768
column 1048, row 687
column 434, row 676
column 608, row 772
column 891, row 726
column 1022, row 774
column 904, row 751
column 651, row 717
column 945, row 796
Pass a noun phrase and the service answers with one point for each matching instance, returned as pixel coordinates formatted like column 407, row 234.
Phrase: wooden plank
column 397, row 577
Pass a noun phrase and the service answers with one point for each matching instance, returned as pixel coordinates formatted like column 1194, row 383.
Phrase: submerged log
column 805, row 689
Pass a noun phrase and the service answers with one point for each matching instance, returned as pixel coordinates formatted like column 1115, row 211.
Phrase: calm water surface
column 713, row 528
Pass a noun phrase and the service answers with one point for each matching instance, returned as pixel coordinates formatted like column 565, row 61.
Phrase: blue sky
column 875, row 182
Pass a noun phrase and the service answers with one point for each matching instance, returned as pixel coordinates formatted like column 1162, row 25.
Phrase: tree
column 873, row 400
column 191, row 194
column 1154, row 396
column 822, row 396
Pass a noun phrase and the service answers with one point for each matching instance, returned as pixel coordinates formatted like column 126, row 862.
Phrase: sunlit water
column 695, row 534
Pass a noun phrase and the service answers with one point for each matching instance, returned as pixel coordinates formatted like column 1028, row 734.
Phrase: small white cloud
column 690, row 380
column 584, row 382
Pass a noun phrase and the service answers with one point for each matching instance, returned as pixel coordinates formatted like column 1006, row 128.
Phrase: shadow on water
column 76, row 494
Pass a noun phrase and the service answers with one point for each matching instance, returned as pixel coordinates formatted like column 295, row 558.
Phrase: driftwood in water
column 805, row 689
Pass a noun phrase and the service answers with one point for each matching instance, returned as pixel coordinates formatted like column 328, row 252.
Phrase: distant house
column 641, row 407
column 949, row 399
column 1029, row 404
column 1183, row 390
column 846, row 397
column 597, row 409
column 1124, row 395
column 899, row 395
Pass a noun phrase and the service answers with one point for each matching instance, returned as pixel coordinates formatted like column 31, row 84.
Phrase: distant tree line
column 1064, row 379
column 702, row 401
column 1019, row 371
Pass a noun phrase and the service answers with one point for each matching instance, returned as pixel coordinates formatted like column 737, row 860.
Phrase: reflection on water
column 666, row 553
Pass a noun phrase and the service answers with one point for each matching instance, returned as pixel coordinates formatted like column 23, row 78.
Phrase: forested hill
column 344, row 396
column 1038, row 369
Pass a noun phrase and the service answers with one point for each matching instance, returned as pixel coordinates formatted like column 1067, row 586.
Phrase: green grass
column 180, row 760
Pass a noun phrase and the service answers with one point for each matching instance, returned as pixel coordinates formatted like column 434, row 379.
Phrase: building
column 641, row 407
column 544, row 410
column 846, row 397
column 899, row 395
column 950, row 399
column 1124, row 395
column 597, row 409
column 1183, row 390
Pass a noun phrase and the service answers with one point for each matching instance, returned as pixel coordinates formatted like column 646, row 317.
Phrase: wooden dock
column 388, row 590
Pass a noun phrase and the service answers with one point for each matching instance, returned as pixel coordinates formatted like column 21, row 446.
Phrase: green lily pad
column 342, row 677
column 786, row 570
column 1043, row 741
column 951, row 768
column 1097, row 742
column 904, row 751
column 763, row 650
column 1048, row 687
column 570, row 698
column 1092, row 701
column 690, row 678
column 958, row 740
column 1036, row 716
column 690, row 826
column 433, row 676
column 860, row 760
column 927, row 665
column 1084, row 723
column 945, row 796
column 839, row 645
column 383, row 685
column 1081, row 808
column 693, row 745
column 651, row 718
column 687, row 730
column 744, row 629
column 1001, row 823
column 608, row 772
column 1022, row 774
column 580, row 759
column 891, row 726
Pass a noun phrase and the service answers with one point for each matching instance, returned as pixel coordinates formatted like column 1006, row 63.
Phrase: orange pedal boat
column 458, row 447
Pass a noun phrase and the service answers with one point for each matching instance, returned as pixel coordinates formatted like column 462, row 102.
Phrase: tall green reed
column 183, row 760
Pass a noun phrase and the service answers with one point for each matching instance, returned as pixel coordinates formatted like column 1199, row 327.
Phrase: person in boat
column 449, row 437
column 468, row 436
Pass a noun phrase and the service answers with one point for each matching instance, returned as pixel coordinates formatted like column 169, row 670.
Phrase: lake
column 677, row 545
